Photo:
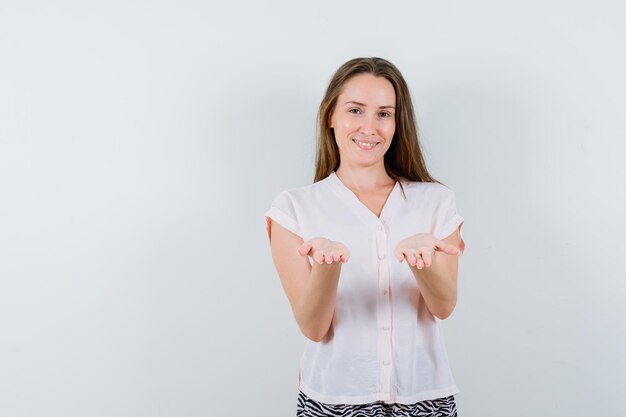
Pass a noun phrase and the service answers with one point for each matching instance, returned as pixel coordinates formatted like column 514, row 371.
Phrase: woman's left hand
column 420, row 248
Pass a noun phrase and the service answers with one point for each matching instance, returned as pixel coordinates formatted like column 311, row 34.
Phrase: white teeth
column 365, row 144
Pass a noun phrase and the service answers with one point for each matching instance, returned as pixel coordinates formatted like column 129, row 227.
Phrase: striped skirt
column 439, row 407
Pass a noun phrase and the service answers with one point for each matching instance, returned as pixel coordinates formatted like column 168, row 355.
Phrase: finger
column 304, row 249
column 411, row 258
column 427, row 257
column 419, row 262
column 403, row 254
column 343, row 257
column 319, row 257
column 447, row 248
column 452, row 250
column 328, row 257
column 345, row 252
column 336, row 256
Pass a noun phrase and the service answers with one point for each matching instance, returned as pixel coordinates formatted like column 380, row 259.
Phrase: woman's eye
column 354, row 110
column 385, row 114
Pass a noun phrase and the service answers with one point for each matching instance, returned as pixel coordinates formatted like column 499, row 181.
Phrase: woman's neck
column 364, row 178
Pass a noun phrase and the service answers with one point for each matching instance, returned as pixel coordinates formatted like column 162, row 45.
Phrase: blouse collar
column 365, row 214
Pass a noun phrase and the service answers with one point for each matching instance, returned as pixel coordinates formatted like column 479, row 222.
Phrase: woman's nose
column 369, row 126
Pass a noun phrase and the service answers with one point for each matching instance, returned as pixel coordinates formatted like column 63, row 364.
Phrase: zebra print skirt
column 439, row 407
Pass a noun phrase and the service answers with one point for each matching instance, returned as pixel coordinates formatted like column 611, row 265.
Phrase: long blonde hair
column 403, row 159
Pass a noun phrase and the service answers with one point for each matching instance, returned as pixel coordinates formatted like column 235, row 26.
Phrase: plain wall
column 141, row 143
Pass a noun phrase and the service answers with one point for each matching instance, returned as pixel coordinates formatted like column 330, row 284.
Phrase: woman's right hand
column 324, row 251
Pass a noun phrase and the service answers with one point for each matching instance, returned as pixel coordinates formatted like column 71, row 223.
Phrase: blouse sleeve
column 282, row 211
column 447, row 219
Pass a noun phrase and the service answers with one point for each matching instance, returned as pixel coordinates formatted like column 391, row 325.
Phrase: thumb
column 305, row 248
column 447, row 248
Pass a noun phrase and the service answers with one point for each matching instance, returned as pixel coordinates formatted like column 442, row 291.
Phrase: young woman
column 368, row 256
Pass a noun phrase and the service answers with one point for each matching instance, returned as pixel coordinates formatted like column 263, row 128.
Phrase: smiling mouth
column 365, row 145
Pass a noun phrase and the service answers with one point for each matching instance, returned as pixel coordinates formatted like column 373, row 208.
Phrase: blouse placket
column 380, row 232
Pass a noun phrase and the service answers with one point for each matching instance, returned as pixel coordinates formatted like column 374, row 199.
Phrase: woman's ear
column 331, row 116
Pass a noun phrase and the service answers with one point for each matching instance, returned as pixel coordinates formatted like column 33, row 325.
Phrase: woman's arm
column 312, row 290
column 438, row 282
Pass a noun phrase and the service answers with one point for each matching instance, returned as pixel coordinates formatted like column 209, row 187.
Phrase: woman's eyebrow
column 363, row 105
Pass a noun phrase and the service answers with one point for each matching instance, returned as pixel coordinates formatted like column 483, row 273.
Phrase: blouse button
column 386, row 362
column 379, row 227
column 384, row 292
column 382, row 256
column 384, row 327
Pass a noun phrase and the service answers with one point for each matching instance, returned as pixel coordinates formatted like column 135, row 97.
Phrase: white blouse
column 383, row 344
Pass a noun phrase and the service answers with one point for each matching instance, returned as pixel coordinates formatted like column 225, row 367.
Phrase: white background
column 141, row 143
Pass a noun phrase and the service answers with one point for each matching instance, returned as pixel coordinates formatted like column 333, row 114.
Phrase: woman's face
column 364, row 119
